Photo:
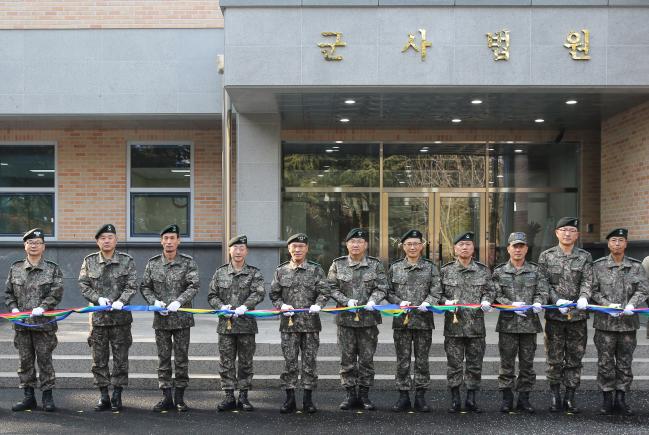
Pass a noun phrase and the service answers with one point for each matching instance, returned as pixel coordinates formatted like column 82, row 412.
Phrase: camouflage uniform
column 357, row 332
column 570, row 277
column 299, row 286
column 29, row 287
column 116, row 280
column 517, row 334
column 466, row 338
column 415, row 283
column 615, row 337
column 236, row 335
column 168, row 281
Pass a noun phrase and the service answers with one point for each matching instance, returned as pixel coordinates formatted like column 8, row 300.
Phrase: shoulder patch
column 600, row 259
column 481, row 264
column 373, row 258
column 315, row 263
column 250, row 266
column 448, row 264
column 155, row 257
column 397, row 260
column 340, row 258
column 427, row 260
column 283, row 264
column 91, row 255
column 51, row 262
column 499, row 265
column 186, row 256
column 532, row 263
column 634, row 260
column 17, row 261
column 222, row 266
column 124, row 254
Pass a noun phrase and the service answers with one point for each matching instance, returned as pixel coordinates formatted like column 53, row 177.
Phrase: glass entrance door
column 439, row 215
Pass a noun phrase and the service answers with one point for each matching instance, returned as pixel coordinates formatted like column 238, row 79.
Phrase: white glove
column 404, row 304
column 423, row 307
column 38, row 311
column 287, row 307
column 369, row 306
column 159, row 304
column 582, row 303
column 103, row 301
column 453, row 302
column 173, row 306
column 314, row 308
column 117, row 305
column 352, row 303
column 486, row 306
column 521, row 312
column 536, row 307
column 628, row 310
column 226, row 307
column 615, row 313
column 15, row 310
column 240, row 311
column 562, row 302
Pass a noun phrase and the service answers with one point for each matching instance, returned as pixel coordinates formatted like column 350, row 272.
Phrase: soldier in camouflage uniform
column 618, row 281
column 414, row 280
column 465, row 281
column 108, row 277
column 171, row 281
column 518, row 282
column 569, row 271
column 35, row 284
column 299, row 283
column 357, row 279
column 236, row 284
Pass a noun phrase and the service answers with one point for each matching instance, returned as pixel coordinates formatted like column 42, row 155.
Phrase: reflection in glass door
column 406, row 211
column 458, row 213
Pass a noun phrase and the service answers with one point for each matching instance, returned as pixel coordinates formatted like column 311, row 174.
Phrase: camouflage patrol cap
column 358, row 233
column 516, row 238
column 412, row 234
column 108, row 228
column 297, row 238
column 618, row 232
column 468, row 236
column 567, row 222
column 173, row 228
column 241, row 239
column 35, row 233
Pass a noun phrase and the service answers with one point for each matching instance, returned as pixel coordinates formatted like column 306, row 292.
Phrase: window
column 160, row 183
column 27, row 188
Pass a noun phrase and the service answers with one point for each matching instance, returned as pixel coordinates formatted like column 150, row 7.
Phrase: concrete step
column 274, row 365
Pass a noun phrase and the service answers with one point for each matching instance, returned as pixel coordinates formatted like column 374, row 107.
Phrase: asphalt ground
column 75, row 415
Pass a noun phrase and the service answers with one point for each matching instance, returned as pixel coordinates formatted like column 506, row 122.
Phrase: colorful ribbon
column 391, row 310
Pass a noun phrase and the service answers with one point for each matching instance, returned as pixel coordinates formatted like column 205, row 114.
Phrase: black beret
column 298, row 238
column 35, row 233
column 618, row 232
column 173, row 228
column 567, row 222
column 464, row 236
column 412, row 234
column 358, row 233
column 241, row 239
column 108, row 228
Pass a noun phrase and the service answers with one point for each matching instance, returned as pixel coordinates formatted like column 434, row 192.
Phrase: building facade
column 278, row 116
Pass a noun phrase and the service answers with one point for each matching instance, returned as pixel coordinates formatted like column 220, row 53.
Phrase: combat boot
column 403, row 402
column 116, row 400
column 420, row 401
column 507, row 404
column 351, row 400
column 456, row 401
column 229, row 403
column 569, row 402
column 289, row 405
column 607, row 403
column 363, row 396
column 243, row 402
column 620, row 403
column 470, row 403
column 179, row 399
column 167, row 402
column 28, row 403
column 48, row 401
column 523, row 402
column 555, row 401
column 307, row 402
column 104, row 400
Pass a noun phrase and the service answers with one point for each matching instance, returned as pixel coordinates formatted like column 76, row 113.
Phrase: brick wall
column 91, row 169
column 625, row 172
column 106, row 14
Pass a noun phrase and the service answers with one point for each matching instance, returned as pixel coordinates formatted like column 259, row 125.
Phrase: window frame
column 159, row 190
column 54, row 190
